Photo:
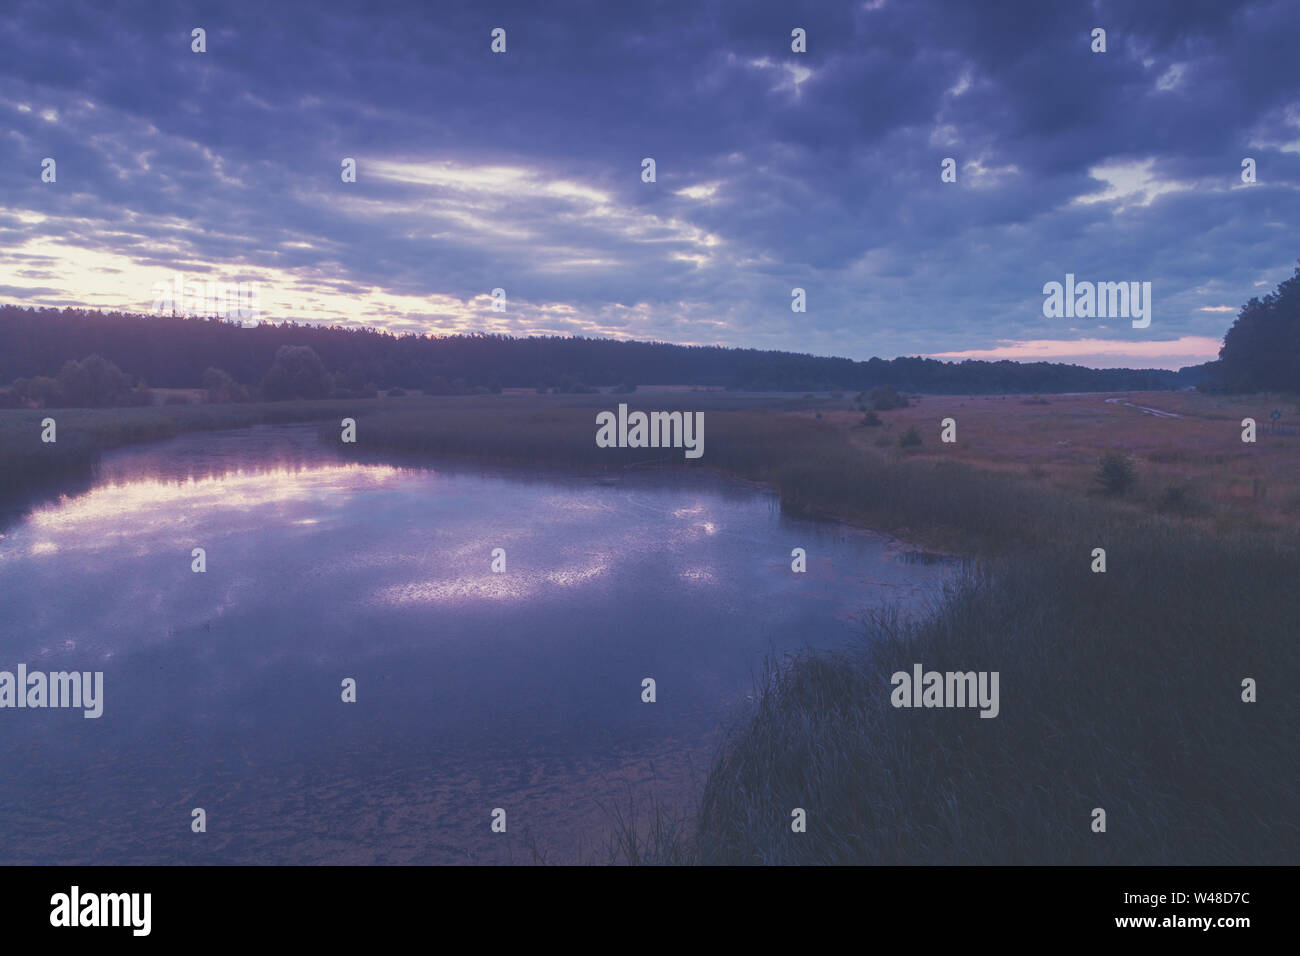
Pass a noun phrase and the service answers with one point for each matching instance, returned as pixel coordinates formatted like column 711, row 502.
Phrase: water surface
column 475, row 690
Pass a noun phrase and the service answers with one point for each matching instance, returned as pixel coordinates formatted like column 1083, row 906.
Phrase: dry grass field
column 1193, row 466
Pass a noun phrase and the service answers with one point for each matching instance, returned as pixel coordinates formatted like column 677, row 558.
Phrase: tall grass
column 1119, row 691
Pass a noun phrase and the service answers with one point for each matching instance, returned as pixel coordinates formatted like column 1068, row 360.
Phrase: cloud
column 774, row 169
column 1099, row 353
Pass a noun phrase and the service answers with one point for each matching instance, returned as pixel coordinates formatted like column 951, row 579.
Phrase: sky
column 523, row 170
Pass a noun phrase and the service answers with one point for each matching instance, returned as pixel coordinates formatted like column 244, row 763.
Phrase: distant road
column 1268, row 428
column 1142, row 408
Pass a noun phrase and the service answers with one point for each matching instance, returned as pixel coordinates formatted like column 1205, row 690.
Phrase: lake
column 475, row 690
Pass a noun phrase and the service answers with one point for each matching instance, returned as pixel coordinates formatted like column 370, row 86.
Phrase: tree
column 221, row 387
column 298, row 372
column 173, row 353
column 94, row 382
column 1261, row 352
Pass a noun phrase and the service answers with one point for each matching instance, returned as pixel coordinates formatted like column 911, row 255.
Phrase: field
column 1194, row 465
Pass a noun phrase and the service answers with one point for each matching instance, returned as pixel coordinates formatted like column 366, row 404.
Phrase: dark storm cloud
column 775, row 169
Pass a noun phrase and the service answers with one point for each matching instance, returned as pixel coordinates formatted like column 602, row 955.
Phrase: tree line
column 1261, row 351
column 74, row 356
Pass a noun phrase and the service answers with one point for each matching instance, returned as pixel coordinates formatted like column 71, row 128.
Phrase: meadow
column 1120, row 690
column 1190, row 460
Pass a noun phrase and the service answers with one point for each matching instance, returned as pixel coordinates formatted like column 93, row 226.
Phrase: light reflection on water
column 475, row 690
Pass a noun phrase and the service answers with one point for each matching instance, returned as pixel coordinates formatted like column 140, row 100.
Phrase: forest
column 265, row 361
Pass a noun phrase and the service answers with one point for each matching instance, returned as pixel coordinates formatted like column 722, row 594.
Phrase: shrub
column 910, row 438
column 1116, row 473
column 871, row 420
column 41, row 390
column 885, row 398
column 221, row 387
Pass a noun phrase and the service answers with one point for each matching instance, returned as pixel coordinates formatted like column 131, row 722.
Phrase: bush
column 1116, row 473
column 871, row 420
column 94, row 382
column 910, row 438
column 42, row 390
column 221, row 387
column 885, row 398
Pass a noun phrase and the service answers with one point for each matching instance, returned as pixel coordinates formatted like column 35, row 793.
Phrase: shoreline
column 820, row 469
